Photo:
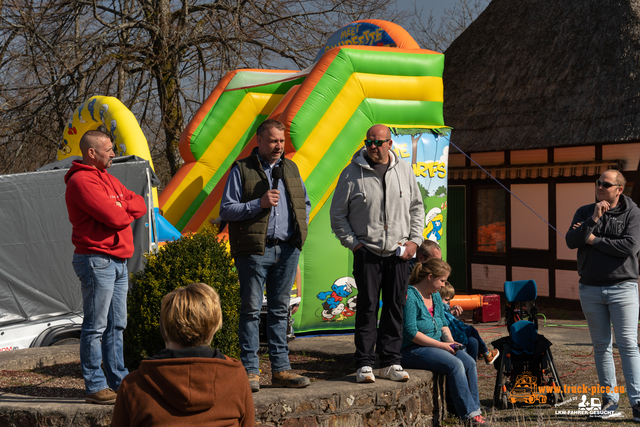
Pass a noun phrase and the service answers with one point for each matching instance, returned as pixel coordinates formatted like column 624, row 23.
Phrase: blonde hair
column 447, row 291
column 620, row 179
column 433, row 266
column 191, row 315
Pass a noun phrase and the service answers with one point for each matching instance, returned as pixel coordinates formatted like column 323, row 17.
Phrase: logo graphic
column 594, row 405
column 573, row 398
column 591, row 407
column 526, row 390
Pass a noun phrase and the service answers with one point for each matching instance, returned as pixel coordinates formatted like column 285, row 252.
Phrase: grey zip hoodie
column 613, row 257
column 362, row 211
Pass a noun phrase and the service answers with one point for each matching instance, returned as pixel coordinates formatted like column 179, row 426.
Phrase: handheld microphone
column 276, row 174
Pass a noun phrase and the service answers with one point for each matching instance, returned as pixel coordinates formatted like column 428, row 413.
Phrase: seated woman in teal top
column 427, row 339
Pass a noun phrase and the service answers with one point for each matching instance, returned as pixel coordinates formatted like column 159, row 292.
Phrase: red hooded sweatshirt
column 100, row 226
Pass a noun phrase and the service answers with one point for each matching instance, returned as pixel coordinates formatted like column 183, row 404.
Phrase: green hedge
column 196, row 258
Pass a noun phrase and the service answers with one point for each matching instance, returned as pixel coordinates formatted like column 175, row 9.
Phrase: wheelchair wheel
column 505, row 402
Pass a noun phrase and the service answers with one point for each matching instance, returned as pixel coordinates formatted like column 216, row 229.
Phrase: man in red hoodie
column 101, row 211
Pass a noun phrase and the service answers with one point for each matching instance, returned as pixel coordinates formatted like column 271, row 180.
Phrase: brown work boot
column 289, row 379
column 254, row 382
column 103, row 397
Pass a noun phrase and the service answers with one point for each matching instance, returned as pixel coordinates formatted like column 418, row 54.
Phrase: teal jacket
column 418, row 319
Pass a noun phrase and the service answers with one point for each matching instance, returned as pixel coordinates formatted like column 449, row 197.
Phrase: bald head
column 97, row 149
column 385, row 131
column 91, row 139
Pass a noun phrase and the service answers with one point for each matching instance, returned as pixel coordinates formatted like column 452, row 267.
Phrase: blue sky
column 437, row 6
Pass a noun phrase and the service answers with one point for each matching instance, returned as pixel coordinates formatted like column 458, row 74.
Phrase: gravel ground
column 63, row 380
column 575, row 366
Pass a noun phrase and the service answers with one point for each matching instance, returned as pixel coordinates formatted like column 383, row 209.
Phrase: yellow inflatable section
column 119, row 121
column 112, row 114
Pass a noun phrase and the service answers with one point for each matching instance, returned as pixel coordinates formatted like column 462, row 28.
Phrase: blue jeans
column 105, row 284
column 617, row 305
column 472, row 348
column 460, row 370
column 480, row 345
column 276, row 269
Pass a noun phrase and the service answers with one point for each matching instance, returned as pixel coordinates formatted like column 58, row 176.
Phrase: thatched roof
column 530, row 74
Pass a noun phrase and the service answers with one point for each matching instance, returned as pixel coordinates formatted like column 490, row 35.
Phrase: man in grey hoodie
column 607, row 236
column 377, row 211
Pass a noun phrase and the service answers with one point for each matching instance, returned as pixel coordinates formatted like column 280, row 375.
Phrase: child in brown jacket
column 187, row 383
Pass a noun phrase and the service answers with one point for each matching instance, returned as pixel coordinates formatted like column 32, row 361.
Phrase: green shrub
column 197, row 258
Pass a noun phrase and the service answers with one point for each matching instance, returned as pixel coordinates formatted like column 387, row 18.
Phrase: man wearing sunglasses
column 607, row 236
column 377, row 210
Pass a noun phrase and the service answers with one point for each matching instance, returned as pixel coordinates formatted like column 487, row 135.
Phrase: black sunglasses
column 377, row 142
column 606, row 184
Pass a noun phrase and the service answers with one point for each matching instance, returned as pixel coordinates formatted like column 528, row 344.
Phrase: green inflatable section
column 348, row 62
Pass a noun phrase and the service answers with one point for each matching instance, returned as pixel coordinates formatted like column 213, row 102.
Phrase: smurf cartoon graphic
column 433, row 225
column 80, row 119
column 103, row 111
column 113, row 128
column 337, row 305
column 64, row 147
column 90, row 108
column 71, row 128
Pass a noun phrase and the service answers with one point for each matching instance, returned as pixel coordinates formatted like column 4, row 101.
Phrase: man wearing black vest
column 266, row 205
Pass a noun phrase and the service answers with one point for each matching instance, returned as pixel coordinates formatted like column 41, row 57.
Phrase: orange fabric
column 185, row 392
column 175, row 182
column 400, row 35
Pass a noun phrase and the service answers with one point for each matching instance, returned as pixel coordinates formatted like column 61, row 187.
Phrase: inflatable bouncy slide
column 369, row 72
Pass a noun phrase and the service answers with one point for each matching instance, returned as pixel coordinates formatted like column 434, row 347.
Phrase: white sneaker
column 365, row 375
column 394, row 373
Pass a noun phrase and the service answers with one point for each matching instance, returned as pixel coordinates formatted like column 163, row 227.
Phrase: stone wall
column 340, row 402
column 343, row 402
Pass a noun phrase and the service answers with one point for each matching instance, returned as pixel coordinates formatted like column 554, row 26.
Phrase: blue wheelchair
column 526, row 372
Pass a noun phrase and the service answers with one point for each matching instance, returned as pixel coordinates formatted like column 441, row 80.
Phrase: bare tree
column 46, row 69
column 437, row 34
column 161, row 58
